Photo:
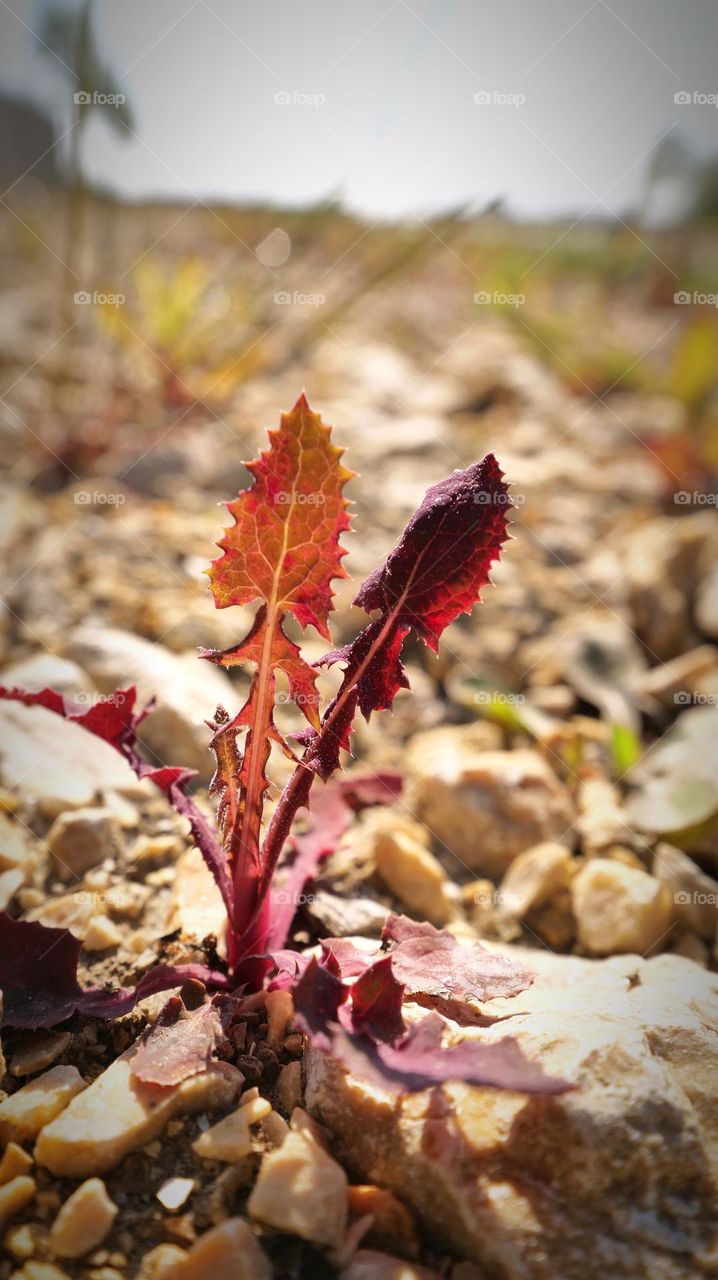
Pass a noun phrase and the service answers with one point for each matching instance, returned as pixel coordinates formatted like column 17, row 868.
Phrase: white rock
column 588, row 1184
column 412, row 874
column 619, row 908
column 56, row 764
column 46, row 671
column 187, row 690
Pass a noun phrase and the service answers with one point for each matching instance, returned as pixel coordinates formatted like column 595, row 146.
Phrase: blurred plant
column 183, row 327
column 69, row 36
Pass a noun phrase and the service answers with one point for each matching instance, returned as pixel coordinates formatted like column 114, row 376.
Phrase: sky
column 408, row 106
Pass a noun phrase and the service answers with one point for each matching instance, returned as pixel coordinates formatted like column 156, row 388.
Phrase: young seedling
column 282, row 554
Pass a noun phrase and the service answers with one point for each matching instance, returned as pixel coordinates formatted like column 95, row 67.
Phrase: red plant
column 283, row 552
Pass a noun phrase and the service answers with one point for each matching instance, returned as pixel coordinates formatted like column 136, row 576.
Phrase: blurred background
column 458, row 227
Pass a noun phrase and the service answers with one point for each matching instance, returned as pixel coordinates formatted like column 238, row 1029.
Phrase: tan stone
column 230, row 1251
column 602, row 821
column 102, row 934
column 368, row 1265
column 10, row 882
column 42, row 1271
column 280, row 1010
column 16, row 852
column 392, row 1225
column 84, row 1220
column 20, row 1241
column 694, row 894
column 531, row 1189
column 618, row 908
column 14, row 1162
column 289, row 1086
column 301, row 1188
column 36, row 1051
column 533, row 878
column 413, row 875
column 14, row 1195
column 117, row 1114
column 24, row 1113
column 81, row 838
column 161, row 1263
column 229, row 1139
column 489, row 806
column 196, row 908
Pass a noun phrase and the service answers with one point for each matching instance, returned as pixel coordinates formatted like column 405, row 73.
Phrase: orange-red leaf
column 284, row 545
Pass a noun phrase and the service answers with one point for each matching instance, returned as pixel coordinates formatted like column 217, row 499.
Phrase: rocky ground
column 559, row 802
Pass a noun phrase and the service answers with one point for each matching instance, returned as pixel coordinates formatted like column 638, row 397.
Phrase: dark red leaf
column 375, row 1008
column 442, row 560
column 38, row 978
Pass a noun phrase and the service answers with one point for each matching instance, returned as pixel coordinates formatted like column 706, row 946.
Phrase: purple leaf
column 441, row 973
column 182, row 1042
column 375, row 1008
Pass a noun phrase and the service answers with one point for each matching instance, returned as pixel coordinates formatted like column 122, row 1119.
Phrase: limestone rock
column 601, row 820
column 488, row 806
column 84, row 1220
column 619, row 908
column 47, row 671
column 618, row 1177
column 82, row 838
column 300, row 1188
column 186, row 690
column 117, row 1114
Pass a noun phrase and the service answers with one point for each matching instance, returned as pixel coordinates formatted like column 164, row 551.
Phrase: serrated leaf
column 283, row 548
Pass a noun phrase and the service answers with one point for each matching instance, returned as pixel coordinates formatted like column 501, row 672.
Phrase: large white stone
column 619, row 1177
